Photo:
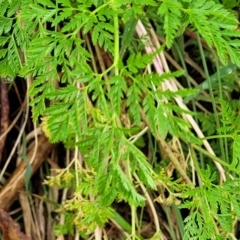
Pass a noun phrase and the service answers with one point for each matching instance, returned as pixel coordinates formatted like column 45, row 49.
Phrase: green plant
column 102, row 111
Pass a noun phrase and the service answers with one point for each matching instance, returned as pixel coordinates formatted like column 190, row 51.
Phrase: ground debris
column 10, row 229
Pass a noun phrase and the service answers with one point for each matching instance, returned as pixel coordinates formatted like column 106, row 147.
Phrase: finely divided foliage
column 102, row 113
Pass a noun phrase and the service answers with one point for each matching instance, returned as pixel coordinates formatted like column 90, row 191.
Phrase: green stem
column 226, row 157
column 217, row 136
column 180, row 54
column 196, row 165
column 116, row 44
column 90, row 14
column 211, row 92
column 16, row 50
column 216, row 159
column 133, row 210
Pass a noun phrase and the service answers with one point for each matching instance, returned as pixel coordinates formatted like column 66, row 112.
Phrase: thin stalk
column 170, row 223
column 116, row 44
column 216, row 159
column 150, row 202
column 217, row 136
column 133, row 208
column 196, row 165
column 179, row 219
column 175, row 161
column 133, row 211
column 211, row 91
column 226, row 154
column 189, row 86
column 76, row 165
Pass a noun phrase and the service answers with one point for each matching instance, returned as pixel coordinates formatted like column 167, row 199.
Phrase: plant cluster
column 108, row 112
